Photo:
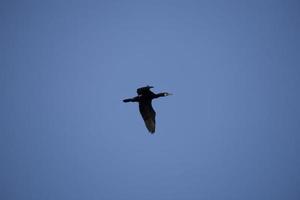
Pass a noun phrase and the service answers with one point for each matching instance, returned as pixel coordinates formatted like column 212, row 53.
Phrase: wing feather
column 148, row 115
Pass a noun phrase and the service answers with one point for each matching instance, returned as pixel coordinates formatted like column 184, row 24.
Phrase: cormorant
column 144, row 99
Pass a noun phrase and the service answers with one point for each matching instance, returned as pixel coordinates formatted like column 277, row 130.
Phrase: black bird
column 144, row 99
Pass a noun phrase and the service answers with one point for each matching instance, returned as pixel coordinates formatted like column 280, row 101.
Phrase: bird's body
column 144, row 98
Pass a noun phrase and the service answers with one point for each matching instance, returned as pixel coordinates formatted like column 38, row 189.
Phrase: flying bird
column 144, row 98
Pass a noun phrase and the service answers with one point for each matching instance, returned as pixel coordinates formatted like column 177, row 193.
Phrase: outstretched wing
column 148, row 115
column 144, row 91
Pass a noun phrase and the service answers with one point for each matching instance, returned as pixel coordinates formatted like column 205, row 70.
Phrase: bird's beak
column 168, row 94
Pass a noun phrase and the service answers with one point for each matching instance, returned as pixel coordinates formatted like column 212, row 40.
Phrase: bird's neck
column 162, row 94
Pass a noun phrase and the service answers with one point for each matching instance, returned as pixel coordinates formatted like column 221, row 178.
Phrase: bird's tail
column 127, row 100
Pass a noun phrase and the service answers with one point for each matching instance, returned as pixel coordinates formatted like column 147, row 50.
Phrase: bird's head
column 167, row 94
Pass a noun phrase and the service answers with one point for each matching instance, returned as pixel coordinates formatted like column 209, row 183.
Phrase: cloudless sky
column 230, row 131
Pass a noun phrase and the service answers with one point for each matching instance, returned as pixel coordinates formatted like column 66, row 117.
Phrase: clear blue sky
column 230, row 131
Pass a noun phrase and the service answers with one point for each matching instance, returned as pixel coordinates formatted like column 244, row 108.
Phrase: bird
column 144, row 98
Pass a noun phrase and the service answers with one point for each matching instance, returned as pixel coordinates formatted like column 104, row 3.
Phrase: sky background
column 230, row 131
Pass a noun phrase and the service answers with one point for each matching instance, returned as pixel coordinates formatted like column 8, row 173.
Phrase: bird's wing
column 144, row 91
column 148, row 115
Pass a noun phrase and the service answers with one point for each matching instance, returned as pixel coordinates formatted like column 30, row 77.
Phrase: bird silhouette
column 144, row 98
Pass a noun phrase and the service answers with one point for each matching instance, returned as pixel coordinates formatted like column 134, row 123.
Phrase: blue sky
column 230, row 131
